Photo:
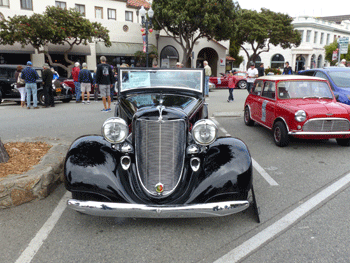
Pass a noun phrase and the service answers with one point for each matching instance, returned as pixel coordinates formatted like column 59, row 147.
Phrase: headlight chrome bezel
column 208, row 125
column 118, row 123
column 300, row 116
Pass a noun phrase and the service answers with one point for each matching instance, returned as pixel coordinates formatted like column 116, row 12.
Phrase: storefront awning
column 119, row 49
column 17, row 48
column 77, row 49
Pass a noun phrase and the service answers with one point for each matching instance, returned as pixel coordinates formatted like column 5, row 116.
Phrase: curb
column 38, row 182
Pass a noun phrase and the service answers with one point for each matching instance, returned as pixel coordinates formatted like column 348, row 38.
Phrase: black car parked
column 9, row 91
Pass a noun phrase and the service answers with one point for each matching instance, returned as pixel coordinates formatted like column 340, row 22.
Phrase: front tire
column 247, row 120
column 242, row 84
column 280, row 134
column 343, row 142
column 41, row 98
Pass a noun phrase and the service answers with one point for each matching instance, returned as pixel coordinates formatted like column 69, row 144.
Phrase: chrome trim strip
column 318, row 133
column 153, row 211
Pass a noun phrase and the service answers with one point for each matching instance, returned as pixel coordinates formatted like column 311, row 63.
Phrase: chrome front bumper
column 319, row 133
column 148, row 211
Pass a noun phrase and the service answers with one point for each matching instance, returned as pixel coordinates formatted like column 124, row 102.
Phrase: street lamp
column 146, row 22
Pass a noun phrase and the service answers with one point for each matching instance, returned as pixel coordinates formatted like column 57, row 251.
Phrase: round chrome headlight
column 204, row 132
column 115, row 130
column 300, row 116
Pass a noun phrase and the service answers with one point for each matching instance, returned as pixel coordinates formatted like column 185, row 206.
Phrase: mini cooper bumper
column 153, row 211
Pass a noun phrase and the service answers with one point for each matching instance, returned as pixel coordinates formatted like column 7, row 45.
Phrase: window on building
column 4, row 3
column 308, row 35
column 112, row 14
column 322, row 38
column 60, row 4
column 98, row 12
column 315, row 37
column 328, row 37
column 128, row 16
column 80, row 9
column 277, row 61
column 27, row 4
column 301, row 35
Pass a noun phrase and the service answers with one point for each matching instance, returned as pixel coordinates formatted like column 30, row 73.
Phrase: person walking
column 85, row 80
column 231, row 85
column 30, row 76
column 252, row 74
column 342, row 63
column 75, row 75
column 47, row 86
column 287, row 69
column 261, row 70
column 21, row 85
column 207, row 76
column 104, row 81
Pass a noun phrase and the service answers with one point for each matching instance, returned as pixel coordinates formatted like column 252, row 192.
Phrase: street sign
column 343, row 45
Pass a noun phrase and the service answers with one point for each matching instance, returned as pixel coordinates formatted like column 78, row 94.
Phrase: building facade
column 316, row 33
column 122, row 19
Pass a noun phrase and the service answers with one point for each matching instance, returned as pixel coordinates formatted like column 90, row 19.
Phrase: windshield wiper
column 311, row 97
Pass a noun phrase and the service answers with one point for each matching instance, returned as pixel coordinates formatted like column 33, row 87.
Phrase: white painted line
column 34, row 245
column 263, row 173
column 278, row 227
column 220, row 127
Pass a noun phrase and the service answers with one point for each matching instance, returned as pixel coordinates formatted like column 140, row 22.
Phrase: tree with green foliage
column 234, row 52
column 262, row 29
column 188, row 21
column 329, row 53
column 56, row 26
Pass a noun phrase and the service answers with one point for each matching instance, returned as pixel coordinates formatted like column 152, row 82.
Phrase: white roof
column 288, row 77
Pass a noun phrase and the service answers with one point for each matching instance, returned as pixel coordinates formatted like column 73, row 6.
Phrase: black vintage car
column 159, row 156
column 9, row 91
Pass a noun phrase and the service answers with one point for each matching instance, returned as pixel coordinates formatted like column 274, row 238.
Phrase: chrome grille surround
column 160, row 153
column 327, row 125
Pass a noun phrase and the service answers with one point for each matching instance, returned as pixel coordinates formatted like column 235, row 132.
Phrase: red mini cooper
column 298, row 106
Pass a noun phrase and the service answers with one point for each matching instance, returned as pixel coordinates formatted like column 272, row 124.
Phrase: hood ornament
column 329, row 114
column 159, row 188
column 160, row 109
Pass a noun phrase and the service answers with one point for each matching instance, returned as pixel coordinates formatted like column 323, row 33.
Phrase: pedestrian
column 47, row 77
column 85, row 80
column 93, row 74
column 55, row 80
column 21, row 85
column 287, row 69
column 207, row 69
column 104, row 81
column 342, row 63
column 30, row 76
column 231, row 85
column 252, row 74
column 261, row 70
column 112, row 88
column 75, row 75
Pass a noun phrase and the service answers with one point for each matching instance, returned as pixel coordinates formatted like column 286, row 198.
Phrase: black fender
column 93, row 166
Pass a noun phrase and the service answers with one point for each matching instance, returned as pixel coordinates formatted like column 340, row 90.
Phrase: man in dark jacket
column 85, row 80
column 261, row 70
column 47, row 86
column 30, row 76
column 287, row 70
column 105, row 81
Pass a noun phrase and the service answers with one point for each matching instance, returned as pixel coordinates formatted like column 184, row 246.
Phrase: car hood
column 318, row 108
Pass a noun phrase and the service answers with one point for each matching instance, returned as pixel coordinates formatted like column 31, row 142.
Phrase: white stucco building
column 122, row 19
column 316, row 33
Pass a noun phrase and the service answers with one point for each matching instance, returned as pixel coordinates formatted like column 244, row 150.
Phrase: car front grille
column 160, row 152
column 327, row 125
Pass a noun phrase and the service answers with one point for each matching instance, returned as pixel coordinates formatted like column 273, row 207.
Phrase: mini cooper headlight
column 115, row 130
column 300, row 116
column 204, row 132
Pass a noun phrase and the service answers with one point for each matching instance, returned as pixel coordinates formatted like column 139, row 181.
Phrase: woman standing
column 20, row 85
column 231, row 85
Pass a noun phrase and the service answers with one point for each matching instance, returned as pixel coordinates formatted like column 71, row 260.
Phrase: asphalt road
column 302, row 192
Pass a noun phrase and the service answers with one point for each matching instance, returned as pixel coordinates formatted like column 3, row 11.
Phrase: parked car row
column 9, row 91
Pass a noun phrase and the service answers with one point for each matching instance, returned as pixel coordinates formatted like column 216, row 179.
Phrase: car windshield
column 162, row 78
column 340, row 78
column 241, row 74
column 146, row 100
column 303, row 89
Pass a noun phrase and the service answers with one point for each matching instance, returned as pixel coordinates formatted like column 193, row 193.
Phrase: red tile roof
column 138, row 3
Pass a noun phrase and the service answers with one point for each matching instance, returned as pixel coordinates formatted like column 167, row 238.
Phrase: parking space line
column 257, row 167
column 35, row 244
column 263, row 173
column 281, row 225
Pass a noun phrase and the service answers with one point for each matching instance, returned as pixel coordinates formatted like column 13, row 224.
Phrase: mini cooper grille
column 327, row 125
column 160, row 153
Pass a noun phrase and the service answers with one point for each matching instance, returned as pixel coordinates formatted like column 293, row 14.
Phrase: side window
column 269, row 90
column 321, row 75
column 258, row 88
column 308, row 73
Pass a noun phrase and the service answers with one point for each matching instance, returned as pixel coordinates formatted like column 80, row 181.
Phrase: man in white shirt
column 252, row 75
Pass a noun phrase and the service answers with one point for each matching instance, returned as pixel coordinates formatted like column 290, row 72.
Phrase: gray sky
column 300, row 7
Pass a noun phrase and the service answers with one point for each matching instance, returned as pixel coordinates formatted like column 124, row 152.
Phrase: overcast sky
column 300, row 7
